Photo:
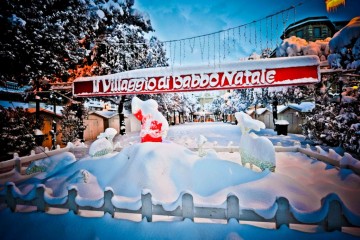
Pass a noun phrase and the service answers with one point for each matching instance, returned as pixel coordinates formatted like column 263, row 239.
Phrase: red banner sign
column 247, row 74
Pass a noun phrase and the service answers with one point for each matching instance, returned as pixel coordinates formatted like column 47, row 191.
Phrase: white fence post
column 146, row 209
column 188, row 206
column 233, row 209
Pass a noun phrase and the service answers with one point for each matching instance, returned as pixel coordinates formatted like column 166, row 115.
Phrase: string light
column 252, row 38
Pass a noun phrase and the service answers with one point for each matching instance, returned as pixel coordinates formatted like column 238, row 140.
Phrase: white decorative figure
column 100, row 147
column 255, row 150
column 154, row 126
column 201, row 141
column 104, row 144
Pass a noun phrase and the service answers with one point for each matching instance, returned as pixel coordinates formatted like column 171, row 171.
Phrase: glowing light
column 333, row 4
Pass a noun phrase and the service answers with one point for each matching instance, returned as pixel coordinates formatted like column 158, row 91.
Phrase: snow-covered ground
column 169, row 169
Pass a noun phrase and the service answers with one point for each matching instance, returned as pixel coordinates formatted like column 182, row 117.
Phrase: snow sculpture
column 201, row 141
column 103, row 145
column 154, row 126
column 255, row 150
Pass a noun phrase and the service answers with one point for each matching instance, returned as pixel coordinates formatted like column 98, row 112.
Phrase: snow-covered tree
column 72, row 124
column 58, row 40
column 16, row 131
column 345, row 47
column 295, row 46
column 119, row 43
column 335, row 120
column 39, row 40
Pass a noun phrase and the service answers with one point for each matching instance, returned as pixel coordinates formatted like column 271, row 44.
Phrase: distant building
column 291, row 113
column 313, row 28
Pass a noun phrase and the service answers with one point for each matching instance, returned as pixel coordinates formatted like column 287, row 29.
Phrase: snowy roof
column 31, row 107
column 10, row 104
column 310, row 20
column 107, row 114
column 250, row 111
column 94, row 104
column 303, row 107
column 50, row 108
column 260, row 111
column 43, row 110
column 19, row 90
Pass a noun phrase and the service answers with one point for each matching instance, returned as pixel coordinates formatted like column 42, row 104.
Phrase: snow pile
column 154, row 125
column 255, row 150
column 295, row 46
column 345, row 46
column 168, row 170
column 50, row 165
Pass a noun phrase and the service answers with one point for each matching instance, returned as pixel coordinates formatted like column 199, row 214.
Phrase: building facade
column 313, row 28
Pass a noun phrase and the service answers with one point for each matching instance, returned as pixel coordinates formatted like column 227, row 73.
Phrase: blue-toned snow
column 167, row 170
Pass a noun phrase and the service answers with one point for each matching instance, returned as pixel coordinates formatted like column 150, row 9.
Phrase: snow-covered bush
column 335, row 123
column 345, row 46
column 255, row 150
column 295, row 46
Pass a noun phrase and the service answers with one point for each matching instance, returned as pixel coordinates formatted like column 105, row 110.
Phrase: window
column 317, row 32
column 300, row 34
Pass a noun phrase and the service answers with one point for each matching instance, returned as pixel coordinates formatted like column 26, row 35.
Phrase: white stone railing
column 335, row 216
column 327, row 158
column 20, row 163
column 330, row 216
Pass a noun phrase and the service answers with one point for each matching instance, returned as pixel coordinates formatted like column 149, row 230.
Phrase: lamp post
column 275, row 104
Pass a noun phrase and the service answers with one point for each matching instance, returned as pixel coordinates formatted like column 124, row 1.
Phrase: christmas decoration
column 333, row 4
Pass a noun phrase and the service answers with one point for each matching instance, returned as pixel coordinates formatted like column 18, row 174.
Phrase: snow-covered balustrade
column 21, row 163
column 17, row 162
column 332, row 215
